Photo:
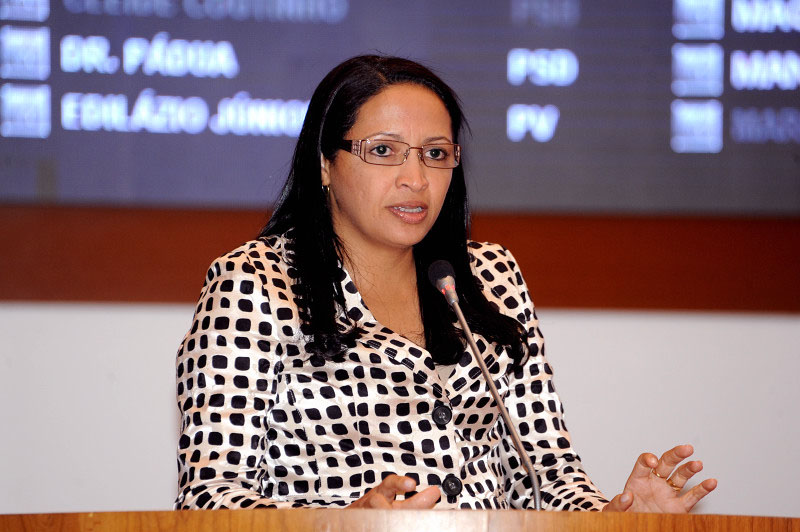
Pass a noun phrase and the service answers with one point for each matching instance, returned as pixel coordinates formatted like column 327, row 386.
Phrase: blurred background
column 641, row 160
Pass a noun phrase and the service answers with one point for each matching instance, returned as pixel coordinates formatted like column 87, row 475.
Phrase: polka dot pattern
column 264, row 423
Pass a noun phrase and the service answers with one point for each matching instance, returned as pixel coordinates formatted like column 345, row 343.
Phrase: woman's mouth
column 412, row 214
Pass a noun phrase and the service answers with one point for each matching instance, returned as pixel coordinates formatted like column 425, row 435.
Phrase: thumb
column 620, row 503
column 423, row 500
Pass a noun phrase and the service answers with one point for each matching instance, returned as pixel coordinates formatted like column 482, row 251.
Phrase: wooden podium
column 318, row 520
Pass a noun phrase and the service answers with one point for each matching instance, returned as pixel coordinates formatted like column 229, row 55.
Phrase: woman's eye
column 381, row 150
column 436, row 153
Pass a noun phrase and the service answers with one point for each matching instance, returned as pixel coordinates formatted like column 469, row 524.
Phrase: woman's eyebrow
column 395, row 136
column 434, row 139
column 385, row 134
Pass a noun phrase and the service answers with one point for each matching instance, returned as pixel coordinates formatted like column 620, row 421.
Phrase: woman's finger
column 691, row 497
column 394, row 484
column 620, row 503
column 371, row 499
column 383, row 495
column 684, row 473
column 424, row 500
column 670, row 459
column 643, row 466
column 378, row 501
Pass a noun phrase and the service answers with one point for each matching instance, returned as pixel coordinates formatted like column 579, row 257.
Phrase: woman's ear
column 325, row 170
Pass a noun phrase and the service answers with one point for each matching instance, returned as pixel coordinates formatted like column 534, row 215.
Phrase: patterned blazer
column 264, row 424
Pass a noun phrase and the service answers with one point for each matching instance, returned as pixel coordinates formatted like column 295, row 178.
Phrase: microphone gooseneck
column 442, row 276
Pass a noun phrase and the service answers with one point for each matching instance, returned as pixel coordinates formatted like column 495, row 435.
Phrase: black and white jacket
column 265, row 424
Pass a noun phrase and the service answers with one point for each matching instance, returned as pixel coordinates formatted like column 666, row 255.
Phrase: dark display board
column 576, row 106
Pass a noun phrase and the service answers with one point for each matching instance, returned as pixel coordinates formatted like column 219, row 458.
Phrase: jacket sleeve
column 225, row 367
column 536, row 410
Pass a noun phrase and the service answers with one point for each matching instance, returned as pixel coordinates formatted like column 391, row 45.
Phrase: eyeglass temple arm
column 353, row 146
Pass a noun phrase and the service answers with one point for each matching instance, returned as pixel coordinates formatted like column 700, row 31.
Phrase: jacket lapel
column 384, row 341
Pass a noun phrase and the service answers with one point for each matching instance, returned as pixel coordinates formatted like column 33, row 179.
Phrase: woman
column 322, row 369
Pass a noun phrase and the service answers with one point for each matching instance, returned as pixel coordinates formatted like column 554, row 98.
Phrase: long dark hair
column 303, row 211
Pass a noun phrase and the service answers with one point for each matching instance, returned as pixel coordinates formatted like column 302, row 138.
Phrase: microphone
column 443, row 277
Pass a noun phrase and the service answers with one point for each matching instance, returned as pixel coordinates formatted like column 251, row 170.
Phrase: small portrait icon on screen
column 24, row 53
column 25, row 111
column 30, row 10
column 696, row 126
column 698, row 19
column 697, row 69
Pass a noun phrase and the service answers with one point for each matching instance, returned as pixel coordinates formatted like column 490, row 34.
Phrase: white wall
column 727, row 383
column 88, row 418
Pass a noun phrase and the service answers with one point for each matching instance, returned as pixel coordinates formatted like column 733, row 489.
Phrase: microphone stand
column 526, row 462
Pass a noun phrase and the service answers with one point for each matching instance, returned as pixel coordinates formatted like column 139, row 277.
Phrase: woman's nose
column 413, row 171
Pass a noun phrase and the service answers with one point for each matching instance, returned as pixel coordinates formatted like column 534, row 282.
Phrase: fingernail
column 626, row 497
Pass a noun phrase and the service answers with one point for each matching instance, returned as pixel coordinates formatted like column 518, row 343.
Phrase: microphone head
column 443, row 277
column 438, row 270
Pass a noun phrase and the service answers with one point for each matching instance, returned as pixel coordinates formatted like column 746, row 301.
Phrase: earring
column 325, row 189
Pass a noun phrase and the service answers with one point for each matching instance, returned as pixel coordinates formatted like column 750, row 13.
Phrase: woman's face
column 376, row 207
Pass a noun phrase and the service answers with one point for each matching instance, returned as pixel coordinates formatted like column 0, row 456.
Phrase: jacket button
column 451, row 485
column 442, row 415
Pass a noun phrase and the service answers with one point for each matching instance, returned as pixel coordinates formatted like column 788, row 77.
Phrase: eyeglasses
column 394, row 153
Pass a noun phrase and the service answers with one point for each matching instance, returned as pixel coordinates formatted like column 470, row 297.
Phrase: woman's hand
column 656, row 485
column 383, row 495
